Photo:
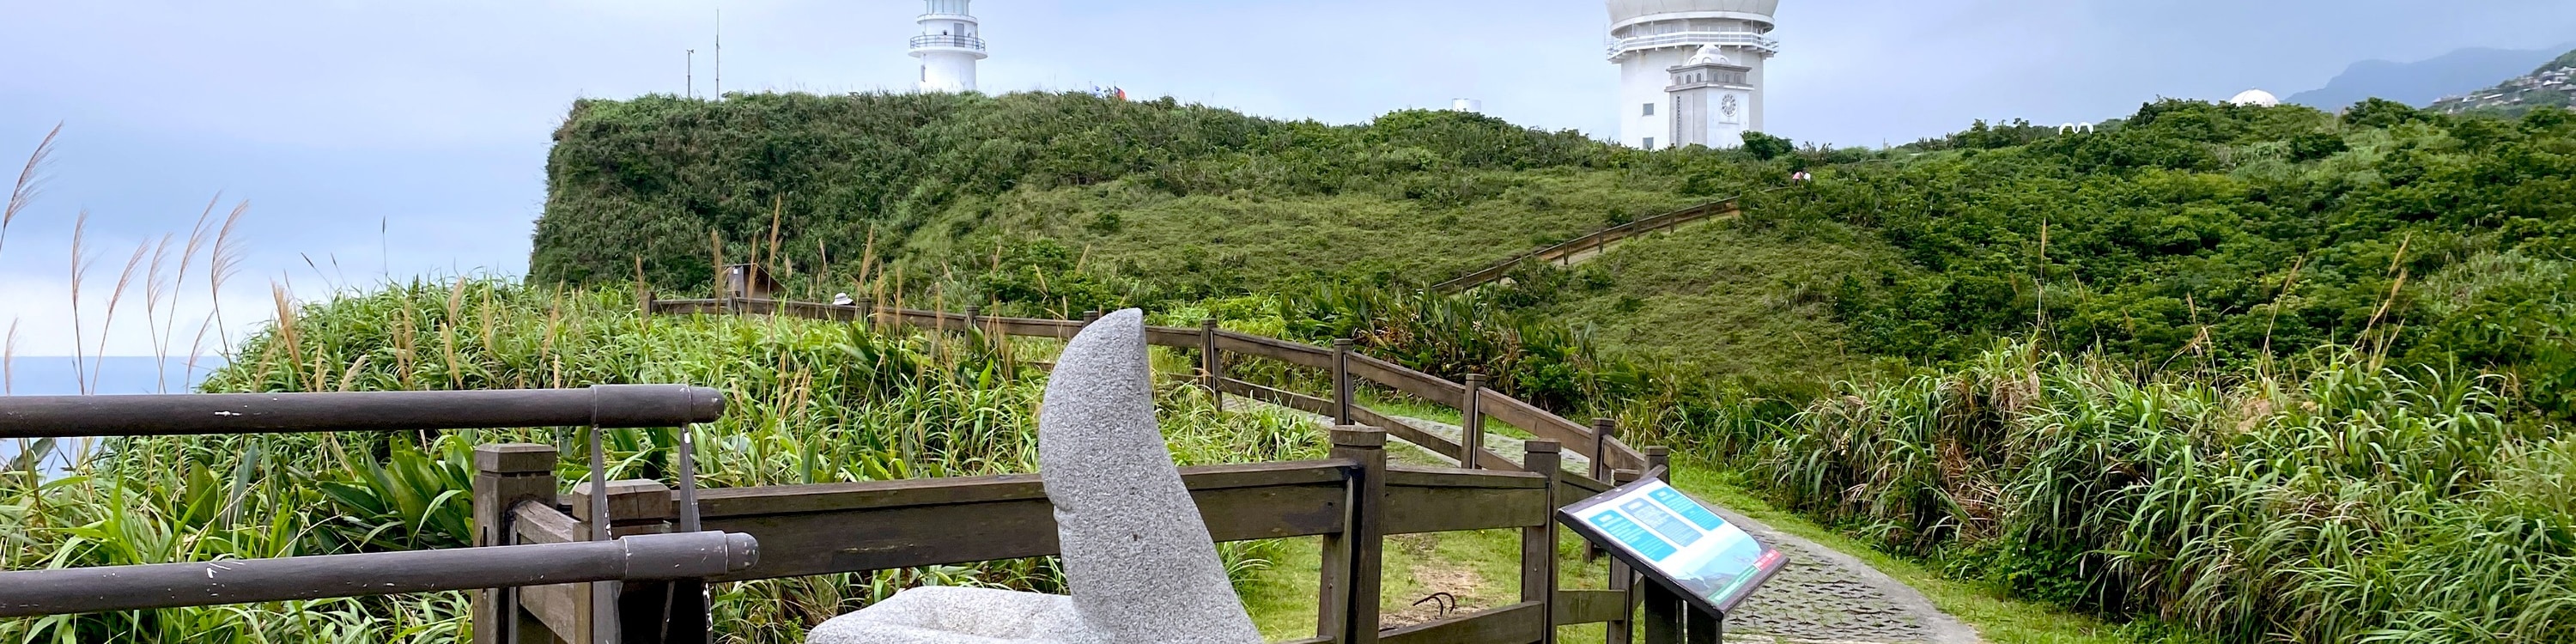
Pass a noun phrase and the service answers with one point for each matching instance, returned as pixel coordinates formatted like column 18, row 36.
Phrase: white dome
column 2256, row 98
column 1626, row 10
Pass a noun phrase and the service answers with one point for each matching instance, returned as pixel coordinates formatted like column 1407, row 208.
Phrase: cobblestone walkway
column 1824, row 596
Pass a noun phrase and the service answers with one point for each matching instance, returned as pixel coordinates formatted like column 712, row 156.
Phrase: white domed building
column 1690, row 70
column 2255, row 98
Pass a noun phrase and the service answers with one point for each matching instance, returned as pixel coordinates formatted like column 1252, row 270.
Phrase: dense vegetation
column 2335, row 500
column 809, row 402
column 2269, row 373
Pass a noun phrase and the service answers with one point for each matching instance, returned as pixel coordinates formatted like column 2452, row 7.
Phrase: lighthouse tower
column 1652, row 41
column 950, row 43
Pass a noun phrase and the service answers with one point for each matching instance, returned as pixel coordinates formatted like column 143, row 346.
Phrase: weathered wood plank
column 1547, row 425
column 1169, row 336
column 1574, row 487
column 1405, row 379
column 1411, row 510
column 912, row 535
column 1275, row 349
column 1419, row 476
column 1589, row 606
column 1514, row 624
column 877, row 495
column 540, row 523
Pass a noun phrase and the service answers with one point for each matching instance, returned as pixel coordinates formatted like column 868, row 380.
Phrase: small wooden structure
column 748, row 281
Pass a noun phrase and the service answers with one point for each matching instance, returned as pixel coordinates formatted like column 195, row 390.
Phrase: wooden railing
column 1598, row 442
column 679, row 563
column 1595, row 241
column 627, row 561
column 1352, row 500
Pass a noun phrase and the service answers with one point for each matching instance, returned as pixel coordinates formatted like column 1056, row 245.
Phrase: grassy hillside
column 2189, row 232
column 1058, row 203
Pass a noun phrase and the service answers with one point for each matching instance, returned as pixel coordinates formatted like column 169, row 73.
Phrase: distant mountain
column 2422, row 82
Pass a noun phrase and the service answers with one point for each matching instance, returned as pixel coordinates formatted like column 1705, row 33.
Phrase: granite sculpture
column 1136, row 554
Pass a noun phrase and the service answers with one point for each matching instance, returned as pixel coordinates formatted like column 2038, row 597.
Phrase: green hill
column 2189, row 233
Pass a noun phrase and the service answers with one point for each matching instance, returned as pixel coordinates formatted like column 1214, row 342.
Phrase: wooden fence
column 632, row 560
column 1594, row 242
column 1352, row 500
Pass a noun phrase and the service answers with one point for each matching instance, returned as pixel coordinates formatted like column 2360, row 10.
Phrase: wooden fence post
column 1354, row 558
column 1664, row 609
column 1341, row 381
column 636, row 612
column 1603, row 429
column 1538, row 543
column 867, row 311
column 1622, row 579
column 1211, row 367
column 1089, row 317
column 504, row 476
column 1471, row 422
column 974, row 313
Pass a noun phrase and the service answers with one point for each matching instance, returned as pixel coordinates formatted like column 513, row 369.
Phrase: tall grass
column 810, row 402
column 2338, row 500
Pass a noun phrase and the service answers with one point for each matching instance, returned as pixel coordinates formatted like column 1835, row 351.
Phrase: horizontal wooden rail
column 1590, row 241
column 1512, row 411
column 1365, row 416
column 242, row 581
column 1522, row 622
column 187, row 414
column 879, row 525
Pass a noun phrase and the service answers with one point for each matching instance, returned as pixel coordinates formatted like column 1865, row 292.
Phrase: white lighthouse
column 1684, row 63
column 950, row 43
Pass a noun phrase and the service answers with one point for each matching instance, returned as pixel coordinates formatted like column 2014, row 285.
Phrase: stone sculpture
column 1141, row 565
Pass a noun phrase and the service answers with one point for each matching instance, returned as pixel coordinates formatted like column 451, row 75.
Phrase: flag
column 1120, row 92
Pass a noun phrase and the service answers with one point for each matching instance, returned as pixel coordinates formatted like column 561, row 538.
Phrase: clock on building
column 1727, row 106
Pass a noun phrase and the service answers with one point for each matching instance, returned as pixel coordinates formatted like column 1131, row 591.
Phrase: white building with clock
column 1690, row 70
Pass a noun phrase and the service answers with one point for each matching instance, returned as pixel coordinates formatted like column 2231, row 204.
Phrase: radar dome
column 2256, row 98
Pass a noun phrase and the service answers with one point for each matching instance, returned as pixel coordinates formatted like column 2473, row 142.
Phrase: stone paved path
column 1824, row 596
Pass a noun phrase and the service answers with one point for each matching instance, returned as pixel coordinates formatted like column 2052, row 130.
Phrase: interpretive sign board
column 1673, row 540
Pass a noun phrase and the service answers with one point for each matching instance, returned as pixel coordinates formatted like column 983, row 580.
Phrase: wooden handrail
column 1596, row 239
column 1509, row 410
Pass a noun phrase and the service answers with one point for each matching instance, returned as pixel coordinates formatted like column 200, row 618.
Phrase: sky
column 378, row 141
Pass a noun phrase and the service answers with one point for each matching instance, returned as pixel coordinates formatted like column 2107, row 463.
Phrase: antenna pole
column 692, row 86
column 719, row 53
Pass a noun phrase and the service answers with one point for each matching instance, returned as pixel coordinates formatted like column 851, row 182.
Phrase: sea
column 112, row 375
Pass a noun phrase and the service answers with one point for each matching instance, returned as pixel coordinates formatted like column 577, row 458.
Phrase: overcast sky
column 377, row 138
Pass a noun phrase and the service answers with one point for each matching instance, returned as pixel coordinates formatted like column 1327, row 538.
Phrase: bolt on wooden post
column 1354, row 558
